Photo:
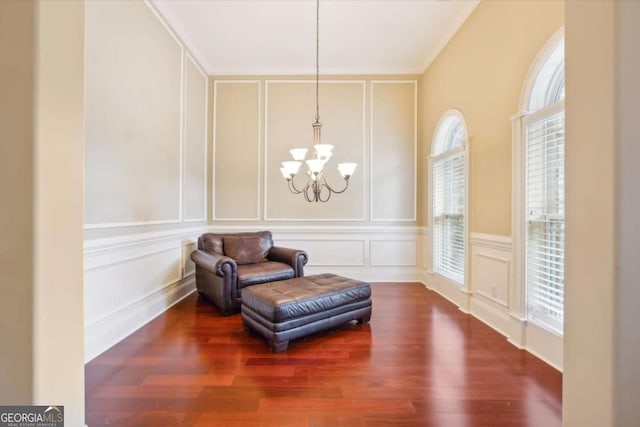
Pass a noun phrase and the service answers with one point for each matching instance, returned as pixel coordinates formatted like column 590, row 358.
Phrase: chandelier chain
column 317, row 59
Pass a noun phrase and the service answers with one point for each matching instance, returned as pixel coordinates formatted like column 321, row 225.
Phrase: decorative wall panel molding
column 194, row 175
column 236, row 175
column 289, row 112
column 491, row 268
column 394, row 145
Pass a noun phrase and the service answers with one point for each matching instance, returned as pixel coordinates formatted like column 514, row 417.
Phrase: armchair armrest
column 213, row 262
column 294, row 257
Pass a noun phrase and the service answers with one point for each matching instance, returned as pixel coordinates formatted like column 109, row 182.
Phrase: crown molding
column 449, row 32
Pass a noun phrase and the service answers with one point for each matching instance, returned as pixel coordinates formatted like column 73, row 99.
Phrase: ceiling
column 240, row 37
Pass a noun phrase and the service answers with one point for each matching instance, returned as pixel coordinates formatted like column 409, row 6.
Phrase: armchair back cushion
column 248, row 248
column 210, row 242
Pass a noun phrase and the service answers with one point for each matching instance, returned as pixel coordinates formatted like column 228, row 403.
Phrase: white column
column 59, row 209
column 41, row 212
column 602, row 345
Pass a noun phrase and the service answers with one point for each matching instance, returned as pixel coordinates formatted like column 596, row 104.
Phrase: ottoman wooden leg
column 277, row 347
column 364, row 319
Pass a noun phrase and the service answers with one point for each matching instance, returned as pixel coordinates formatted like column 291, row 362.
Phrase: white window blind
column 545, row 221
column 448, row 215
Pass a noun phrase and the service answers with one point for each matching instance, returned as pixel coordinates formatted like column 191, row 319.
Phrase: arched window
column 540, row 181
column 449, row 200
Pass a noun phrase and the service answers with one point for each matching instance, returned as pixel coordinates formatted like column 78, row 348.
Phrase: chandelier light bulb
column 298, row 153
column 347, row 169
column 315, row 165
column 292, row 167
column 323, row 150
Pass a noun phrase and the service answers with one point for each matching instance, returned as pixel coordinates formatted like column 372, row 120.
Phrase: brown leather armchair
column 226, row 263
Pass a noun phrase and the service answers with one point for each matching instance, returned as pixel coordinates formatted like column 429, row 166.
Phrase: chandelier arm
column 292, row 187
column 346, row 185
column 306, row 194
column 324, row 185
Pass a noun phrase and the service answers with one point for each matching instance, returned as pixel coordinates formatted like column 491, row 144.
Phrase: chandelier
column 316, row 188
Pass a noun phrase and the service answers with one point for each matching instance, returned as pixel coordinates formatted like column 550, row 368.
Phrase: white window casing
column 536, row 297
column 544, row 214
column 449, row 198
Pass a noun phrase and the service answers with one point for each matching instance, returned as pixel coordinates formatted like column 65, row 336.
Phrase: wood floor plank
column 301, row 404
column 169, row 380
column 419, row 362
column 272, row 419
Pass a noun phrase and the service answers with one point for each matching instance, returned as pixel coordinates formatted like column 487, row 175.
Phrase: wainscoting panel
column 129, row 280
column 112, row 287
column 331, row 252
column 392, row 253
column 195, row 142
column 187, row 248
column 490, row 273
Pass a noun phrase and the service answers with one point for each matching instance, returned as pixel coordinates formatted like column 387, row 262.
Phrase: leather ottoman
column 289, row 309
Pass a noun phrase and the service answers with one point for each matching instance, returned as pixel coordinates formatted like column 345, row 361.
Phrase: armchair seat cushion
column 270, row 271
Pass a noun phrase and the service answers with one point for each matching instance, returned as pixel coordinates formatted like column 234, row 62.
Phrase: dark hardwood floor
column 419, row 362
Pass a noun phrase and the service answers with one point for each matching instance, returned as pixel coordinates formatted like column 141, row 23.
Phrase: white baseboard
column 489, row 314
column 447, row 289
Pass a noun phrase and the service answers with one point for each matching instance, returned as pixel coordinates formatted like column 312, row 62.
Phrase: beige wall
column 258, row 119
column 481, row 72
column 17, row 69
column 41, row 310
